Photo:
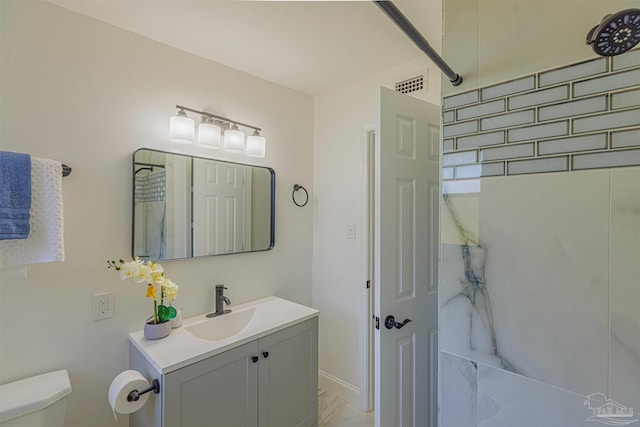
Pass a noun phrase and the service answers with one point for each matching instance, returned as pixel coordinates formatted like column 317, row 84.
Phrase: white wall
column 339, row 276
column 89, row 94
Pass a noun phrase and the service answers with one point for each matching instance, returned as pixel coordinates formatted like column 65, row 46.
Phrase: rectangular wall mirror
column 186, row 206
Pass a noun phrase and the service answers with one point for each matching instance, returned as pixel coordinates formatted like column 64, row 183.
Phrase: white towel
column 46, row 238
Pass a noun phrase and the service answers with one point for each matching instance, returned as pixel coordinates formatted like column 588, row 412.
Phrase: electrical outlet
column 102, row 306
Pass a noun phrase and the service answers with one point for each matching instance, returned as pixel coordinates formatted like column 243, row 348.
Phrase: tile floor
column 335, row 412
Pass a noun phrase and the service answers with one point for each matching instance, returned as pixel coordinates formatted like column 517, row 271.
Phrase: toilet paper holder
column 134, row 395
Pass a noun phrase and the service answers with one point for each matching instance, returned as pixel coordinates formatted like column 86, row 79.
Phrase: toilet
column 35, row 401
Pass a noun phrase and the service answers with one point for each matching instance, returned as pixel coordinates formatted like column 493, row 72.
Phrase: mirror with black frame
column 187, row 206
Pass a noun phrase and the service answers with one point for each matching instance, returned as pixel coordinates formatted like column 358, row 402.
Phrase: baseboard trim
column 340, row 388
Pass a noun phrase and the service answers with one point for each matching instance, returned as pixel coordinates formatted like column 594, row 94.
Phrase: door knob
column 390, row 322
column 255, row 359
column 265, row 354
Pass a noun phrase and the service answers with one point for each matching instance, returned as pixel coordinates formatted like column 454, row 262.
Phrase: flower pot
column 156, row 331
column 176, row 322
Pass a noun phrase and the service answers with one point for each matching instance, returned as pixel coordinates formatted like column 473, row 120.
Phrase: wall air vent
column 411, row 85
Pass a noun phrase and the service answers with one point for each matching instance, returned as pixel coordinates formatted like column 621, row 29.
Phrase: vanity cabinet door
column 288, row 385
column 220, row 391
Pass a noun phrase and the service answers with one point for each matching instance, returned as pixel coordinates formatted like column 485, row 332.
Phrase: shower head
column 616, row 33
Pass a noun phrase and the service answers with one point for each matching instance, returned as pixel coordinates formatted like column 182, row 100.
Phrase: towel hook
column 297, row 187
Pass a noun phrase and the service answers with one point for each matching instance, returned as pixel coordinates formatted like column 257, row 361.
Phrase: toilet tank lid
column 32, row 394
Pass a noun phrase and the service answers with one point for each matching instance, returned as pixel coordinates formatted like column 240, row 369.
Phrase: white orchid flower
column 170, row 289
column 128, row 270
column 152, row 273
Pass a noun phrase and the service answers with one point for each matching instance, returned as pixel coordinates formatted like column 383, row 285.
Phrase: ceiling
column 310, row 46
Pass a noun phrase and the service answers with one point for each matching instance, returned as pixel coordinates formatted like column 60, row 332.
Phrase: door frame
column 367, row 396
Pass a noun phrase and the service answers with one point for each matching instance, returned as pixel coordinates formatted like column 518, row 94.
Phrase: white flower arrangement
column 152, row 273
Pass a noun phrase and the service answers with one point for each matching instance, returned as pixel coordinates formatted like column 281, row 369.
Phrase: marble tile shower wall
column 584, row 116
column 540, row 272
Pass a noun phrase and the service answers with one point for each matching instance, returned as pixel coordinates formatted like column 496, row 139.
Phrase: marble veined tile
column 465, row 325
column 509, row 400
column 547, row 275
column 527, row 289
column 624, row 359
column 335, row 412
column 458, row 389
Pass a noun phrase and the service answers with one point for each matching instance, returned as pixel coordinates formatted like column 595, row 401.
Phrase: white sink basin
column 201, row 337
column 223, row 326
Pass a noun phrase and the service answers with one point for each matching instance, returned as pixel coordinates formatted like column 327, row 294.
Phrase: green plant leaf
column 163, row 313
column 172, row 312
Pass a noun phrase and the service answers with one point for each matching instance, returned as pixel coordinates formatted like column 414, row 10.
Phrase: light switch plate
column 351, row 230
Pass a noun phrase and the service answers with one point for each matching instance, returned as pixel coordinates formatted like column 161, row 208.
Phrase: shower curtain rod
column 153, row 165
column 401, row 21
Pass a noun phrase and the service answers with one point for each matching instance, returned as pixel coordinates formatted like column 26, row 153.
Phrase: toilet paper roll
column 121, row 386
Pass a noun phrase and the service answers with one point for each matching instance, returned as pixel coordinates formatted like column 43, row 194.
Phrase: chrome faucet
column 221, row 300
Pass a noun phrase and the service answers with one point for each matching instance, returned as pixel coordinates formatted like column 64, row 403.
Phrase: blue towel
column 15, row 195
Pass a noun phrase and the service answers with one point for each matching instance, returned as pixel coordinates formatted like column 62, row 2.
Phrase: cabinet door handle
column 265, row 354
column 255, row 359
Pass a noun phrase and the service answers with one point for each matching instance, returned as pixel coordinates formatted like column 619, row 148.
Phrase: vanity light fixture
column 182, row 129
column 208, row 133
column 233, row 139
column 256, row 145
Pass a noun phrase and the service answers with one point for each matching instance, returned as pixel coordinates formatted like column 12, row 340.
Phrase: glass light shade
column 209, row 134
column 256, row 145
column 233, row 139
column 181, row 128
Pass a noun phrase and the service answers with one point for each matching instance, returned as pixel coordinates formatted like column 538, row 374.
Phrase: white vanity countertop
column 181, row 348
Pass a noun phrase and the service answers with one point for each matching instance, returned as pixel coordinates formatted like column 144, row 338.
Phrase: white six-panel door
column 218, row 207
column 406, row 260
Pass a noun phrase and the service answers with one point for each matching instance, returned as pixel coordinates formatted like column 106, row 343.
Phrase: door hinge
column 368, row 284
column 377, row 322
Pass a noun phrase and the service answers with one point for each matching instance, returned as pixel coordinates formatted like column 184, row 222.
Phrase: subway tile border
column 592, row 67
column 576, row 117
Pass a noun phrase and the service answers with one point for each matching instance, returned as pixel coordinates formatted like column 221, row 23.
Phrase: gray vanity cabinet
column 288, row 377
column 219, row 391
column 233, row 389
